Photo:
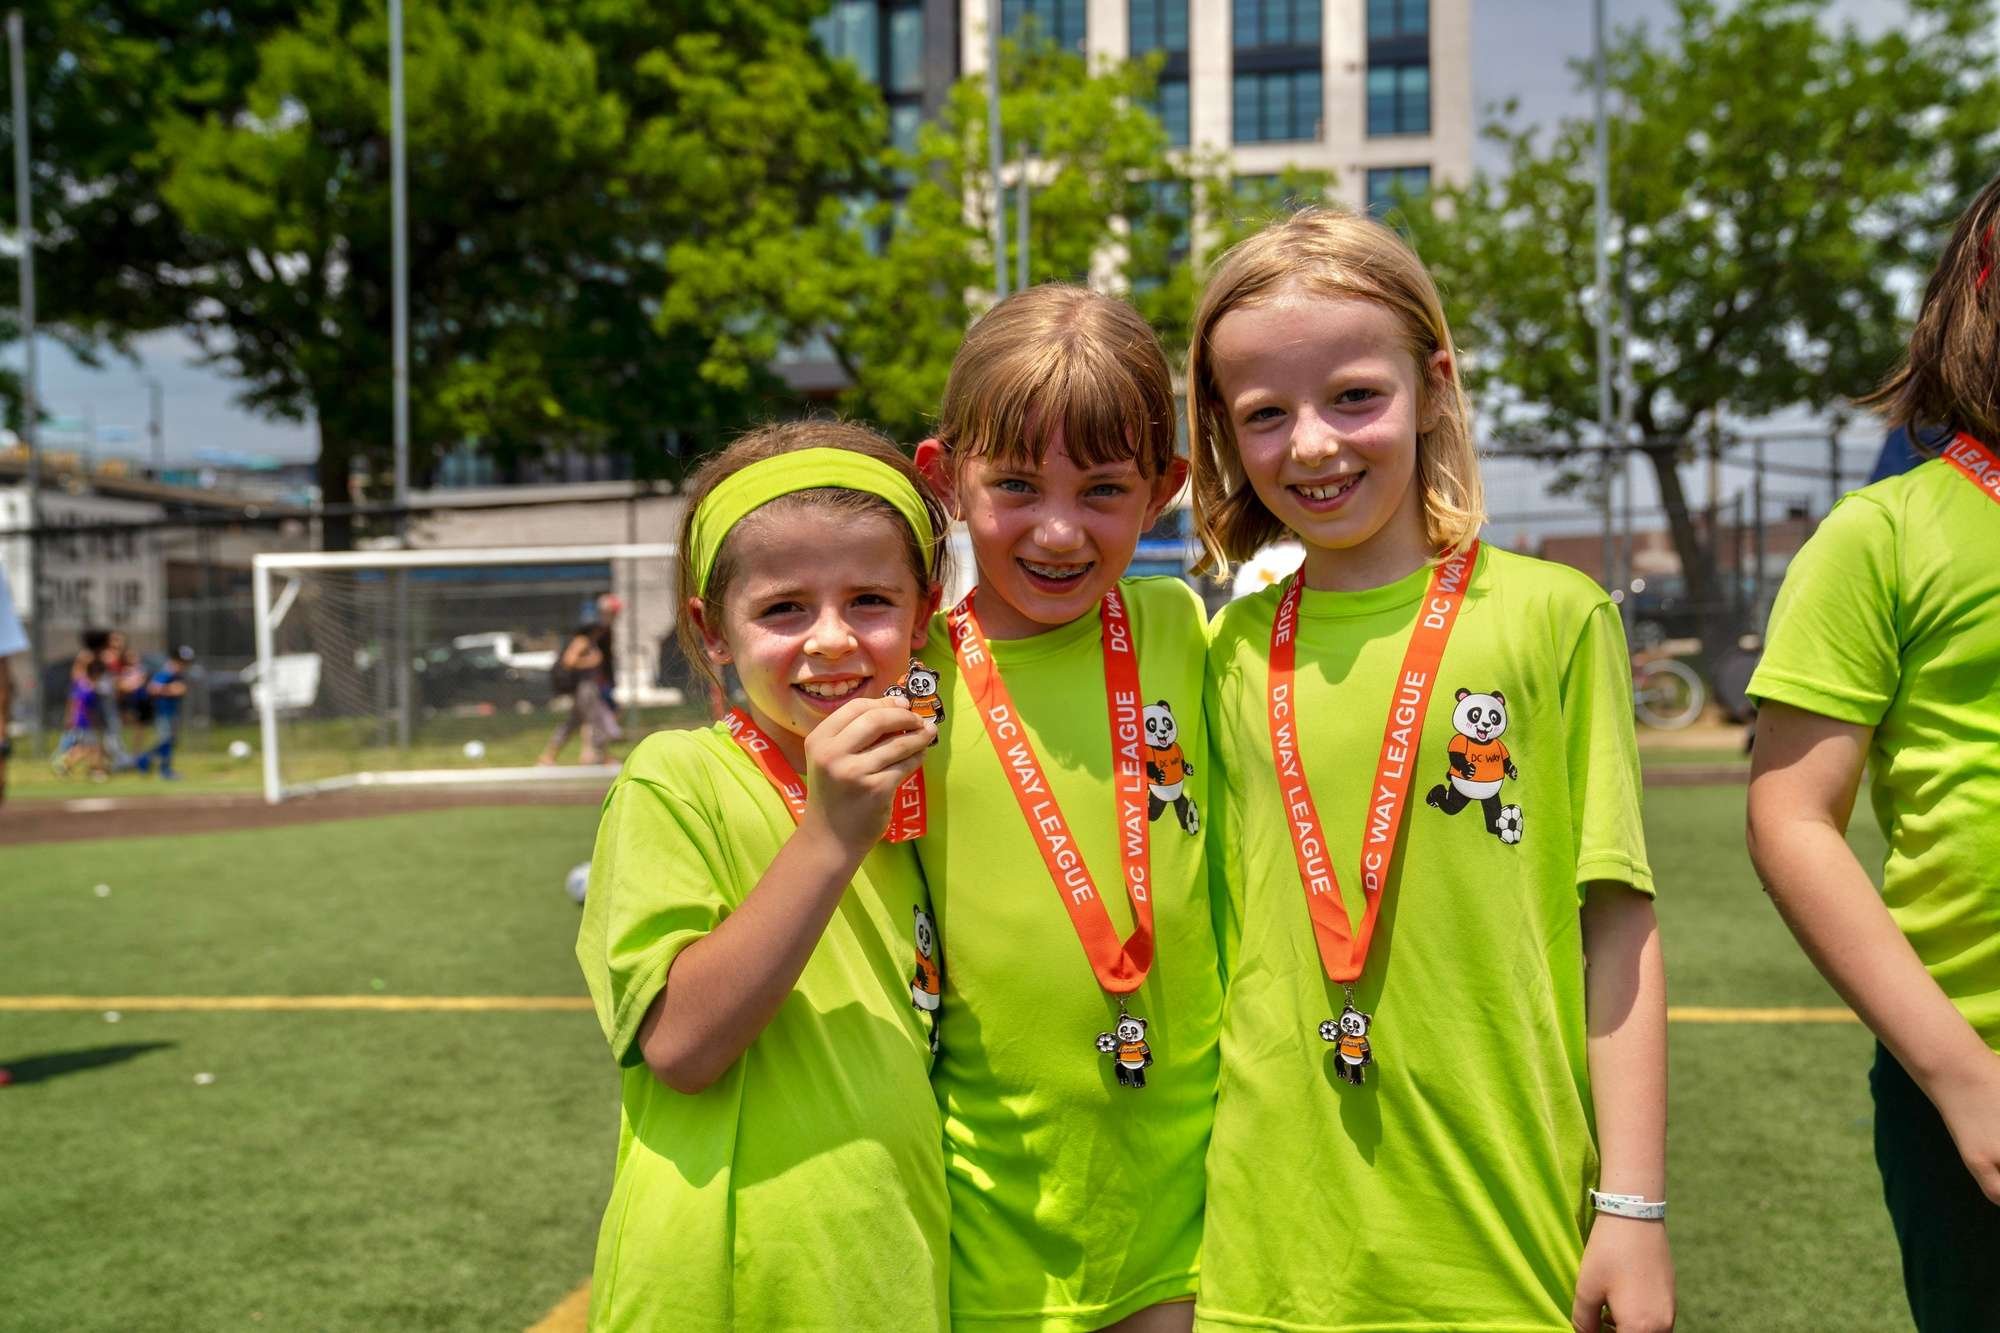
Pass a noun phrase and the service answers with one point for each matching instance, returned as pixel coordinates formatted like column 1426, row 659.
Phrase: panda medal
column 1120, row 966
column 1343, row 948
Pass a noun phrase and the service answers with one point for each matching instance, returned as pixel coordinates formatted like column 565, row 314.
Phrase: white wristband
column 1630, row 1205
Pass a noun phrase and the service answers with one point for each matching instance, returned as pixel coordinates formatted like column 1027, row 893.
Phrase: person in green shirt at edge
column 1884, row 654
column 1439, row 1047
column 748, row 936
column 1077, row 1075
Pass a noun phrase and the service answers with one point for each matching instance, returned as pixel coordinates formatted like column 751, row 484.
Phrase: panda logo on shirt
column 1167, row 769
column 1478, row 764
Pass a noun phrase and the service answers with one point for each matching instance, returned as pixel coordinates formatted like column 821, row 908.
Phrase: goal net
column 439, row 666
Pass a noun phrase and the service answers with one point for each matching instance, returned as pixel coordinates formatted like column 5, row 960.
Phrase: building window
column 1392, row 19
column 1171, row 106
column 1158, row 25
column 851, row 31
column 1064, row 22
column 1261, row 23
column 1399, row 99
column 1278, row 106
column 906, row 50
column 1387, row 186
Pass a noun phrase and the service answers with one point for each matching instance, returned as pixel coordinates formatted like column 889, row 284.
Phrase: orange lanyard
column 1343, row 951
column 1977, row 462
column 906, row 820
column 1120, row 965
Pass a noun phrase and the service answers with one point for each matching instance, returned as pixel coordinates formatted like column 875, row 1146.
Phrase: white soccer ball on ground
column 1510, row 824
column 578, row 882
column 475, row 749
column 239, row 749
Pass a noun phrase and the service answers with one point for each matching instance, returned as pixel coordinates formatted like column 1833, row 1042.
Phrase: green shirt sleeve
column 1833, row 646
column 1603, row 755
column 655, row 887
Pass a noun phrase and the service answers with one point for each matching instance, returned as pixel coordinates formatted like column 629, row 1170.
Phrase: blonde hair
column 1949, row 380
column 1339, row 256
column 768, row 442
column 1060, row 359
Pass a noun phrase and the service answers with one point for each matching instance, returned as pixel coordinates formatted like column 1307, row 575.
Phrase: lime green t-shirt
column 1449, row 1190
column 1890, row 618
column 805, row 1188
column 1075, row 1199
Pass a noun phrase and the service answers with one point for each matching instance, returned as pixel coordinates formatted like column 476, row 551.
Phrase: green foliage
column 557, row 155
column 1778, row 185
column 1775, row 183
column 886, row 285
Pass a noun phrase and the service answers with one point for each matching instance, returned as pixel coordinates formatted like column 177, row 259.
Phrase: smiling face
column 1050, row 540
column 823, row 607
column 1325, row 402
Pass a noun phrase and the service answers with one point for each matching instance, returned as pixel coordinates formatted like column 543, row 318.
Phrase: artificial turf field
column 385, row 1169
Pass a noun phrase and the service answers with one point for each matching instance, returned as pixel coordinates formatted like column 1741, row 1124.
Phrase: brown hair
column 769, row 442
column 1339, row 256
column 1950, row 379
column 1060, row 359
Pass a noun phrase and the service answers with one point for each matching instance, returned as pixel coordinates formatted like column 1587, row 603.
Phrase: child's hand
column 1626, row 1266
column 855, row 760
column 1970, row 1104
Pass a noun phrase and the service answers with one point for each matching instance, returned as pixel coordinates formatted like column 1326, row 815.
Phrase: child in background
column 167, row 688
column 748, row 935
column 1421, row 1031
column 1081, row 996
column 1883, row 653
column 83, row 737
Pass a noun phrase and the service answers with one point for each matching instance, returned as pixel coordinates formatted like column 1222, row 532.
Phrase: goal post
column 436, row 667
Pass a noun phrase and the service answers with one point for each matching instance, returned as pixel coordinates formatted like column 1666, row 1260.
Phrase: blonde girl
column 1445, row 1024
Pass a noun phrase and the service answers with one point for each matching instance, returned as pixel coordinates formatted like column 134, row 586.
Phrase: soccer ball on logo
column 1508, row 826
column 577, row 882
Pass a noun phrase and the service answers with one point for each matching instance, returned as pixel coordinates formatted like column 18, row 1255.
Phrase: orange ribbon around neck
column 1120, row 965
column 1976, row 462
column 906, row 819
column 1343, row 949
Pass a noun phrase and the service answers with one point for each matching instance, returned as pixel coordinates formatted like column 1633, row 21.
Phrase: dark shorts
column 1948, row 1231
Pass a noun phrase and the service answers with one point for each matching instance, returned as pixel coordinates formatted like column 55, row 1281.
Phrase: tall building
column 1376, row 92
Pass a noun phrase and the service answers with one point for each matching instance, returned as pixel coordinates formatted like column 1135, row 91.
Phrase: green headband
column 741, row 494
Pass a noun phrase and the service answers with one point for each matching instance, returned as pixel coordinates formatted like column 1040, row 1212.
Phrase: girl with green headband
column 750, row 935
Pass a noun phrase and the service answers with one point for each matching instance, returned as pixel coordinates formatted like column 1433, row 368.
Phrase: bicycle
column 1666, row 694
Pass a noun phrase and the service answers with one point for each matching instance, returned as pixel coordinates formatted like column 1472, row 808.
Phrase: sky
column 1520, row 50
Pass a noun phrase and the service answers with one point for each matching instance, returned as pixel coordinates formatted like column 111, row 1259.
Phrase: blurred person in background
column 13, row 639
column 122, row 676
column 586, row 671
column 83, row 709
column 167, row 688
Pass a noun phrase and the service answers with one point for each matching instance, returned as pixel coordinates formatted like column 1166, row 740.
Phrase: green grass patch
column 388, row 1171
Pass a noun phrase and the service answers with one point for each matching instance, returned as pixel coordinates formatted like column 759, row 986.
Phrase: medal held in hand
column 920, row 686
column 1343, row 946
column 1128, row 1049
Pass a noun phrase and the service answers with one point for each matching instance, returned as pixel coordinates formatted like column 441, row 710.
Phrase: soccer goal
column 432, row 667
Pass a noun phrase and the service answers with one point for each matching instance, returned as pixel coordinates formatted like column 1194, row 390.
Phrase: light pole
column 156, row 424
column 399, row 262
column 1603, row 279
column 25, row 226
column 993, row 149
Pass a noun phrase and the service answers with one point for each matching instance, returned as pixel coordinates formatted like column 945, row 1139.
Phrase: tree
column 556, row 156
column 889, row 280
column 1776, row 185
